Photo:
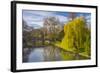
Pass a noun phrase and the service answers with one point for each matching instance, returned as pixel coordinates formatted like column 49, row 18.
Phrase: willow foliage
column 77, row 35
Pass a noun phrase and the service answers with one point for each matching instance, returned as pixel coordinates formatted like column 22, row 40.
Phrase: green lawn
column 63, row 46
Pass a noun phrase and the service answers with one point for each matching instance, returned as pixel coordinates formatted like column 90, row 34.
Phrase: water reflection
column 48, row 53
column 36, row 55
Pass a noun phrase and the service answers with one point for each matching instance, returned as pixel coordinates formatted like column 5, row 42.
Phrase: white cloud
column 62, row 18
column 38, row 23
column 39, row 13
column 36, row 17
column 32, row 18
column 88, row 17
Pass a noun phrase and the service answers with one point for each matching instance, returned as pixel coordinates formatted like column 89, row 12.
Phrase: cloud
column 36, row 17
column 29, row 16
column 46, row 14
column 39, row 13
column 40, row 24
column 62, row 19
column 88, row 19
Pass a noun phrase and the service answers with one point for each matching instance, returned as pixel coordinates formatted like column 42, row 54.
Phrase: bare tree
column 72, row 15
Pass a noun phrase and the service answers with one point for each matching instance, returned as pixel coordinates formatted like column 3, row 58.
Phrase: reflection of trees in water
column 51, row 53
column 26, row 53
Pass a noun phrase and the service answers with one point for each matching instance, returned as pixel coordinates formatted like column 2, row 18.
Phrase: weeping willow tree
column 77, row 37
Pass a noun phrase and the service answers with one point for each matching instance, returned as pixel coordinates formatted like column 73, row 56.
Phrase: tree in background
column 72, row 16
column 51, row 27
column 27, row 35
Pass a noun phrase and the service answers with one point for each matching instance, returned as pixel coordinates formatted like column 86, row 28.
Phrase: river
column 48, row 53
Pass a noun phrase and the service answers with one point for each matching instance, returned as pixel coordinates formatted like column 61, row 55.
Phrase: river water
column 48, row 53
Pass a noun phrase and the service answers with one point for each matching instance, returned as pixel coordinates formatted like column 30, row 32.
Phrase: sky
column 35, row 18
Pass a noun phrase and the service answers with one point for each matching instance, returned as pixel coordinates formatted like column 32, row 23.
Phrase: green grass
column 67, row 56
column 63, row 46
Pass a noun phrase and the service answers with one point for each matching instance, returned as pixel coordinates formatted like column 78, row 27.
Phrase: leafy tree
column 77, row 36
column 60, row 35
column 27, row 35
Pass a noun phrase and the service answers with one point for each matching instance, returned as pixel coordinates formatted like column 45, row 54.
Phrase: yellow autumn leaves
column 77, row 36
